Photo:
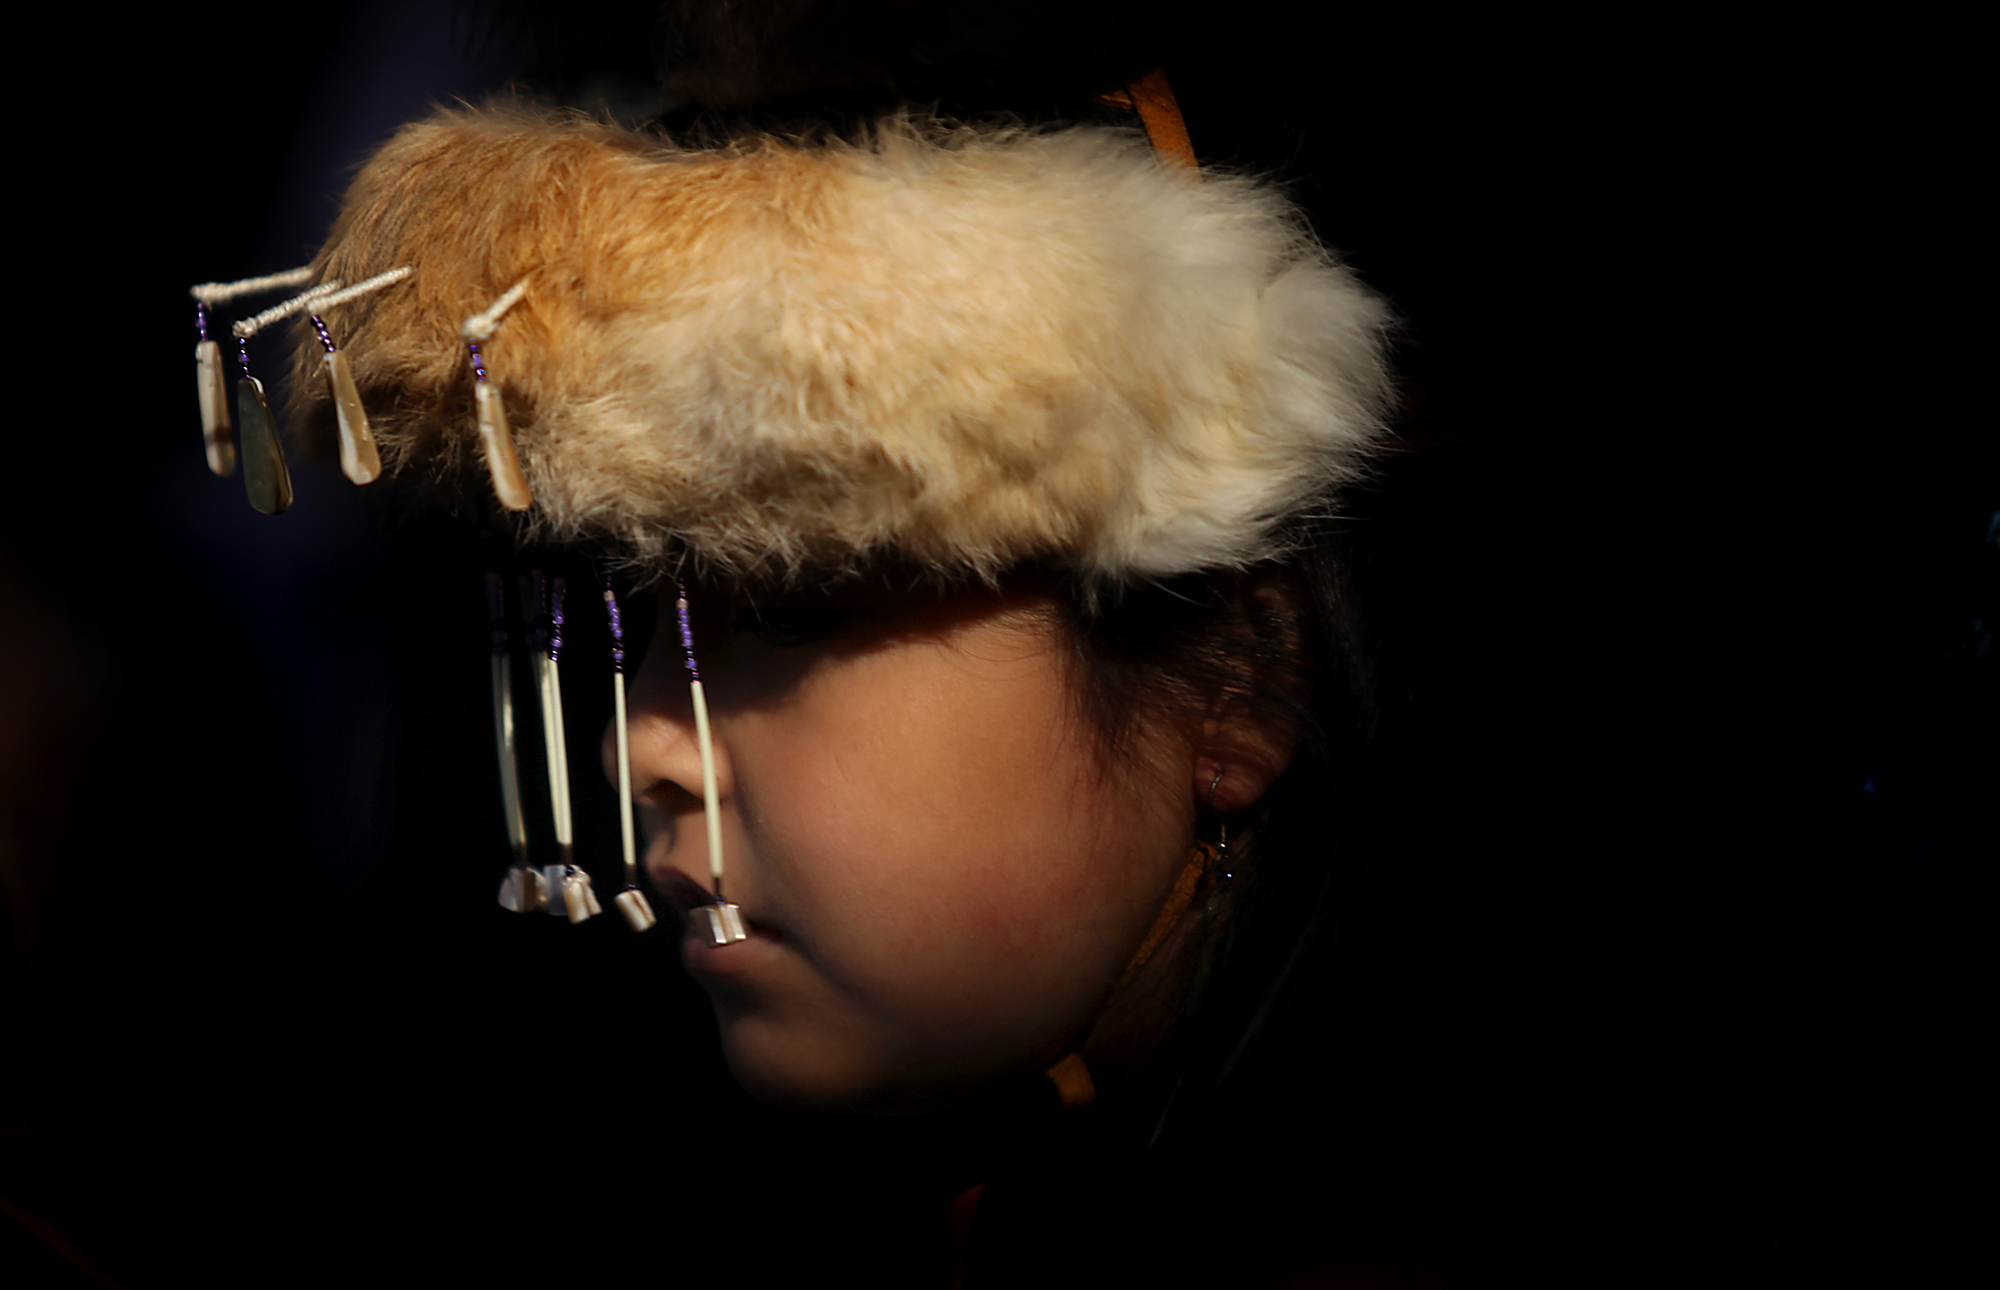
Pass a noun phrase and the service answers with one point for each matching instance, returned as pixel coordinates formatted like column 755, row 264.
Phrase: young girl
column 989, row 482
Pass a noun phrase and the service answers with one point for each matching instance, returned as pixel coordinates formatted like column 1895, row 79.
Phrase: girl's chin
column 804, row 1081
column 791, row 1070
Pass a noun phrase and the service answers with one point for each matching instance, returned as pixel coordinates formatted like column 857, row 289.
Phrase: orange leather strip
column 1161, row 114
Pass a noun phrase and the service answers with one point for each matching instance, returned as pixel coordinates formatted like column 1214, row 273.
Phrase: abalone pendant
column 723, row 922
column 579, row 897
column 524, row 890
column 215, row 435
column 637, row 909
column 265, row 478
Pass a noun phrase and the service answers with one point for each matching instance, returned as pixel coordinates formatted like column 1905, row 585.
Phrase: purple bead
column 617, row 627
column 555, row 619
column 687, row 632
column 324, row 339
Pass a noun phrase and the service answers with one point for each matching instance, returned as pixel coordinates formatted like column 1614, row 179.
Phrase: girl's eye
column 791, row 625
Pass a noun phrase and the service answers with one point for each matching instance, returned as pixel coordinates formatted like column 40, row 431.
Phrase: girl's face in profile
column 942, row 871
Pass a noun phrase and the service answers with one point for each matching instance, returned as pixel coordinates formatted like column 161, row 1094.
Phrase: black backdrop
column 1686, row 575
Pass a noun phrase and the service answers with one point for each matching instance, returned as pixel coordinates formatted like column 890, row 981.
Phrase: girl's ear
column 1252, row 729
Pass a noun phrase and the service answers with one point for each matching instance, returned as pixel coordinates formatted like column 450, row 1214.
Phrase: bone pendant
column 215, row 429
column 359, row 460
column 510, row 485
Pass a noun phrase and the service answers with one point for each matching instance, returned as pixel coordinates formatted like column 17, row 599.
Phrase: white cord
column 365, row 286
column 216, row 293
column 325, row 296
column 245, row 328
column 479, row 326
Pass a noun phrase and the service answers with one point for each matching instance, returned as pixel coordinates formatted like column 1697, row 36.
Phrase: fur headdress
column 965, row 348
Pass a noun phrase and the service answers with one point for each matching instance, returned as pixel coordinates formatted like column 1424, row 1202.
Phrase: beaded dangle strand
column 266, row 480
column 631, row 901
column 496, row 439
column 360, row 460
column 217, row 435
column 524, row 890
column 723, row 920
column 545, row 640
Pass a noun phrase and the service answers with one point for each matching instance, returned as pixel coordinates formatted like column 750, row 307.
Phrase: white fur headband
column 965, row 348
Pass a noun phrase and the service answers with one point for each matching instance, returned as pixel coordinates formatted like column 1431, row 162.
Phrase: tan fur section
column 969, row 349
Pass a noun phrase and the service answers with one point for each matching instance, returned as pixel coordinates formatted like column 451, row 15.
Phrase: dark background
column 1685, row 571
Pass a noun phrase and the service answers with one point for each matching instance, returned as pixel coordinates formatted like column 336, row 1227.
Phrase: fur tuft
column 965, row 348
